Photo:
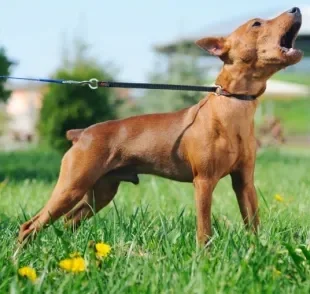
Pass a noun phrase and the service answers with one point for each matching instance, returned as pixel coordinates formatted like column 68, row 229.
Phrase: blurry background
column 151, row 226
column 131, row 41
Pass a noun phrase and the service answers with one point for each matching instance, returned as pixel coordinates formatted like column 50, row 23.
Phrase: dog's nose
column 294, row 10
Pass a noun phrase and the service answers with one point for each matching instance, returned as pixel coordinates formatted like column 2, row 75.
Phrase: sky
column 33, row 32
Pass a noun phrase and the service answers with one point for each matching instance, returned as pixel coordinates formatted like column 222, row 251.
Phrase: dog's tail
column 74, row 135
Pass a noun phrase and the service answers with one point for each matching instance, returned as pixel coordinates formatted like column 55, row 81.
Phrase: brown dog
column 200, row 144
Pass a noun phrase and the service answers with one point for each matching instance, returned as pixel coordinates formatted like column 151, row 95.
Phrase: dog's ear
column 215, row 46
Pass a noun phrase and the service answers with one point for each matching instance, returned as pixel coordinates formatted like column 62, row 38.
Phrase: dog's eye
column 256, row 24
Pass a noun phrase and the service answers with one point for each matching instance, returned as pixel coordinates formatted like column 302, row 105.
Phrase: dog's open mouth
column 288, row 39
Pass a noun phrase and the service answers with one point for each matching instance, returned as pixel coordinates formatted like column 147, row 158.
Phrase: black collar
column 221, row 91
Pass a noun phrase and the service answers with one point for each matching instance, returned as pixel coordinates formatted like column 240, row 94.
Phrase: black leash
column 157, row 86
column 94, row 84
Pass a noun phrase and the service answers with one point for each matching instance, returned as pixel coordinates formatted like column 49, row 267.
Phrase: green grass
column 293, row 114
column 151, row 228
column 298, row 77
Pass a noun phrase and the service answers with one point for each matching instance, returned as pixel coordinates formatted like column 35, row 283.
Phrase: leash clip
column 219, row 90
column 93, row 84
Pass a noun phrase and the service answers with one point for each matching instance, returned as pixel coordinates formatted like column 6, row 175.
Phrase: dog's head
column 265, row 45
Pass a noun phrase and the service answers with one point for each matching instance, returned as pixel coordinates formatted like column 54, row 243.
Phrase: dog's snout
column 294, row 10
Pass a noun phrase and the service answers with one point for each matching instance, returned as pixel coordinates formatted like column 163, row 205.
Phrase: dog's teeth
column 284, row 49
column 292, row 51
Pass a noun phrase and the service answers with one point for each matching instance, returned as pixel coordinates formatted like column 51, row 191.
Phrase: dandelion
column 75, row 264
column 28, row 272
column 276, row 273
column 102, row 250
column 278, row 198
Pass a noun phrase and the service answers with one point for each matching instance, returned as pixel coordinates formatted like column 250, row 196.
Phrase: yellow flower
column 76, row 264
column 278, row 198
column 102, row 249
column 28, row 272
column 276, row 273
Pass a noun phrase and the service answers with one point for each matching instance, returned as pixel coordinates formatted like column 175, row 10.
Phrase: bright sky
column 119, row 31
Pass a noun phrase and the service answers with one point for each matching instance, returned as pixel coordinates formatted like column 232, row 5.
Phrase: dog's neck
column 240, row 79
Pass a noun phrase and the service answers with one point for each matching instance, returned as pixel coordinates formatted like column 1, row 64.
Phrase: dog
column 200, row 144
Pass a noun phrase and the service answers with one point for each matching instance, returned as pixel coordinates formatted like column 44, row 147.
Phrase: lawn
column 293, row 114
column 151, row 228
column 293, row 77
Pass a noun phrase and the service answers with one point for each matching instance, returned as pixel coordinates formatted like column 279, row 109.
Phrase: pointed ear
column 215, row 46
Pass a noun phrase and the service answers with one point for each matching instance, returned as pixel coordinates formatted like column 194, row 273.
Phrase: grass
column 151, row 228
column 293, row 77
column 293, row 114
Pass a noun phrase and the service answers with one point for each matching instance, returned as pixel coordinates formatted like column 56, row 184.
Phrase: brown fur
column 200, row 144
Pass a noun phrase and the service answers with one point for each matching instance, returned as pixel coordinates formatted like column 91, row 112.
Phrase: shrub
column 71, row 106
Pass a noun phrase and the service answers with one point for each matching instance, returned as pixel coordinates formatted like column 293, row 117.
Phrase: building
column 23, row 107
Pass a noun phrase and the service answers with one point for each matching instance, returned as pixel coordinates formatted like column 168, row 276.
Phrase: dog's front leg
column 243, row 185
column 203, row 196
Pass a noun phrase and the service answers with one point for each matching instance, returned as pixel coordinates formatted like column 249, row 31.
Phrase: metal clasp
column 93, row 84
column 218, row 91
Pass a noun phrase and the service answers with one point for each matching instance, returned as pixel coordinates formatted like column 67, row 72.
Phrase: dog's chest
column 220, row 151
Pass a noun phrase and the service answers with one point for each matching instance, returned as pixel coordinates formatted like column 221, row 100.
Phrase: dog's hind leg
column 100, row 196
column 78, row 174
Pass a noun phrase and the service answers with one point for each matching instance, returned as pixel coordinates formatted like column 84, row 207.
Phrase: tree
column 71, row 106
column 5, row 68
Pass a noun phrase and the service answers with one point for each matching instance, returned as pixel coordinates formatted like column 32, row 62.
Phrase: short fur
column 199, row 144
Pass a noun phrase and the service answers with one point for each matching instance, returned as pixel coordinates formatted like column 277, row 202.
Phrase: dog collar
column 221, row 91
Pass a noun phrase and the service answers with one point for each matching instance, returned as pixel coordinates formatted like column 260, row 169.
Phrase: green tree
column 5, row 69
column 68, row 107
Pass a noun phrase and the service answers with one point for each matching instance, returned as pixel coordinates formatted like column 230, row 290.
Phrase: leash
column 95, row 84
